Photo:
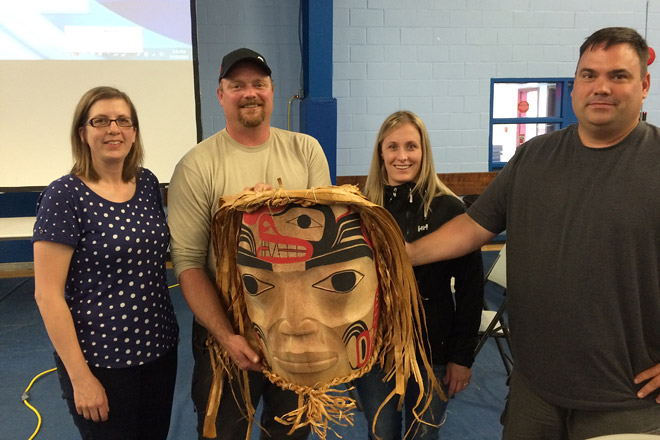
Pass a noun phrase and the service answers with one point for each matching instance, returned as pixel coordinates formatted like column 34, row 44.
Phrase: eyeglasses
column 105, row 122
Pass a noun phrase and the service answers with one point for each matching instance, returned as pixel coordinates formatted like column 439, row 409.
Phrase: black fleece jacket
column 452, row 320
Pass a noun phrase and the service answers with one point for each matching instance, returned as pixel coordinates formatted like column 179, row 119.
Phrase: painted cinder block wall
column 434, row 57
column 268, row 26
column 437, row 58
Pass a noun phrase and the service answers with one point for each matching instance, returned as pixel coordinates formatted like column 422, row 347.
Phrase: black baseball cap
column 242, row 54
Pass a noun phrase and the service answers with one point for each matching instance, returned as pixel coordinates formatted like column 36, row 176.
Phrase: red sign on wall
column 523, row 106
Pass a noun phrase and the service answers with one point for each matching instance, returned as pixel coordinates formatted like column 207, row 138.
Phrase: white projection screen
column 52, row 51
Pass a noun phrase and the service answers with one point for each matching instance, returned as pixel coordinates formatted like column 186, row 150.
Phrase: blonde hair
column 428, row 185
column 82, row 156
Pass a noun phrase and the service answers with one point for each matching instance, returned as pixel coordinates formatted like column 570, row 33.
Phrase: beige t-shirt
column 220, row 166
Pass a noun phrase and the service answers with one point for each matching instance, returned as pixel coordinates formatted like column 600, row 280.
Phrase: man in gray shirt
column 247, row 151
column 583, row 256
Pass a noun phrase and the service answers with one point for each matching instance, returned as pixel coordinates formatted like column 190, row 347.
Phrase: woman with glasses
column 402, row 178
column 100, row 241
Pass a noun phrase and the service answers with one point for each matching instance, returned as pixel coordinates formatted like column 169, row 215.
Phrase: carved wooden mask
column 311, row 290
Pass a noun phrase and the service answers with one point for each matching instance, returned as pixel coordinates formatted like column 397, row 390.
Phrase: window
column 521, row 108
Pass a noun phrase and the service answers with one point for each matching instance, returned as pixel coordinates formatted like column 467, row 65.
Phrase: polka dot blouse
column 116, row 287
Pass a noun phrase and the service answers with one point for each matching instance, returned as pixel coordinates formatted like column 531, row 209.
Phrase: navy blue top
column 116, row 287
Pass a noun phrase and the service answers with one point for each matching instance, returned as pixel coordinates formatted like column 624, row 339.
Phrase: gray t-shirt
column 583, row 274
column 220, row 166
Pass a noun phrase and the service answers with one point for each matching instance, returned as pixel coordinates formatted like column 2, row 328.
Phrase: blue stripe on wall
column 318, row 109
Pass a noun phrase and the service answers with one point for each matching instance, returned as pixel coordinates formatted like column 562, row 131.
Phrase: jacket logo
column 423, row 228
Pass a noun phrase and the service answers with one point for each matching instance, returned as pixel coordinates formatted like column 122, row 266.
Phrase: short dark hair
column 611, row 36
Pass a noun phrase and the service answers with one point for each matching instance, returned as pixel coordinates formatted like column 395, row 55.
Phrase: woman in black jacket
column 402, row 178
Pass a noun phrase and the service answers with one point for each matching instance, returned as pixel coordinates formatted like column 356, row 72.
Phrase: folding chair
column 493, row 324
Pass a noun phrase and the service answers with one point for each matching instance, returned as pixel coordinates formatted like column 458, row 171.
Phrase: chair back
column 493, row 323
column 497, row 272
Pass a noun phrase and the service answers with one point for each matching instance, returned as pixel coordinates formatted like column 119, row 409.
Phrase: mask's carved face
column 311, row 289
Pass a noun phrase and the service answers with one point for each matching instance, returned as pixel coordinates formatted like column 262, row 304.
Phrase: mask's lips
column 308, row 362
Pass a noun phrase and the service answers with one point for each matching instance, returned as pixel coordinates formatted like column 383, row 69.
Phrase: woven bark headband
column 319, row 283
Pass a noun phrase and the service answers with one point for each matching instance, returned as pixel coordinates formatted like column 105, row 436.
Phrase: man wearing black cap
column 248, row 150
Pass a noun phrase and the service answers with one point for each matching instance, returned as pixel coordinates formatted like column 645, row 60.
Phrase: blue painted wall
column 318, row 108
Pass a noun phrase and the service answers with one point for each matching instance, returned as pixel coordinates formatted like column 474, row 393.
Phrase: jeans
column 372, row 392
column 528, row 417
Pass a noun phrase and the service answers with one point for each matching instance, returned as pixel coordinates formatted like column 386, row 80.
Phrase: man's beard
column 253, row 119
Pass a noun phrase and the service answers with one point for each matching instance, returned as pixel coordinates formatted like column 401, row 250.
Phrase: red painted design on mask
column 278, row 248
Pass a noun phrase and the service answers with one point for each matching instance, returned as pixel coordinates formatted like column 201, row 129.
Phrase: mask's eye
column 304, row 222
column 254, row 286
column 340, row 282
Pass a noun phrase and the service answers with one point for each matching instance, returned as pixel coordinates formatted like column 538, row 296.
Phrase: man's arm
column 319, row 171
column 454, row 239
column 191, row 202
column 203, row 300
